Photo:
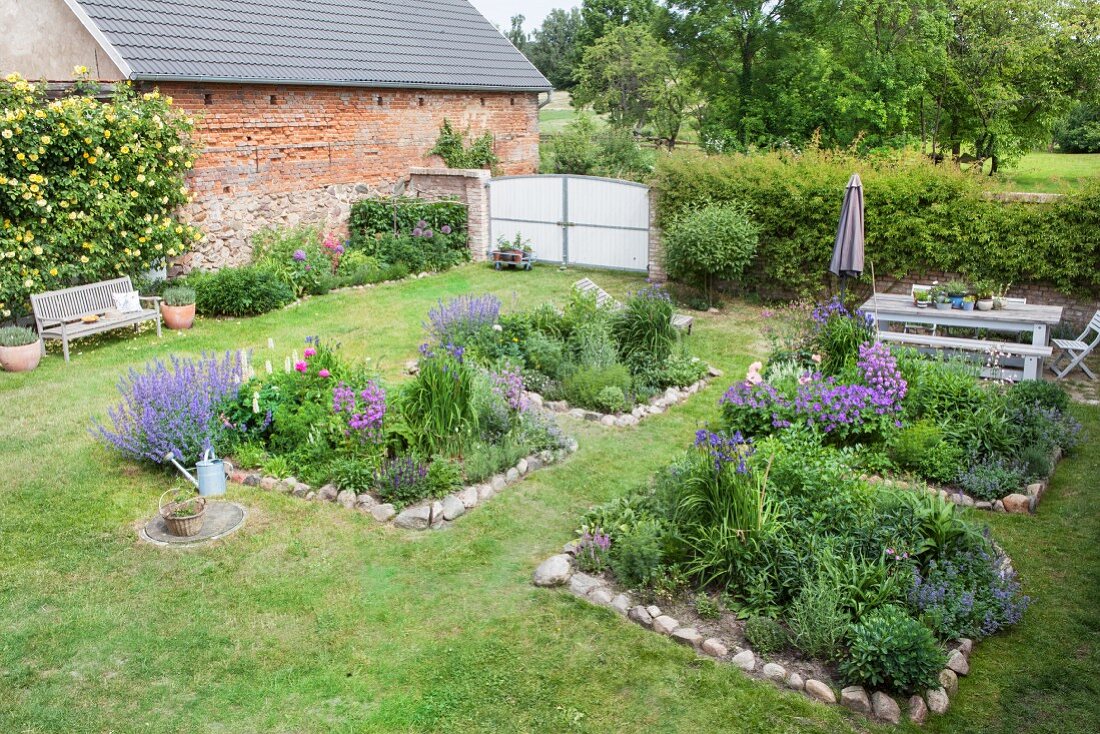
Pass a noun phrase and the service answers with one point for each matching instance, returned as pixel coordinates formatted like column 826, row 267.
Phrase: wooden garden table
column 1015, row 317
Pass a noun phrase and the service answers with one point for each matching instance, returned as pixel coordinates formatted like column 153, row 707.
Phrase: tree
column 601, row 16
column 516, row 34
column 632, row 76
column 554, row 47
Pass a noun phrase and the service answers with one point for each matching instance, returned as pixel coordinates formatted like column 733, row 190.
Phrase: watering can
column 210, row 471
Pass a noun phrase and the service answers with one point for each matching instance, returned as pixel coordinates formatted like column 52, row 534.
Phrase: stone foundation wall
column 285, row 155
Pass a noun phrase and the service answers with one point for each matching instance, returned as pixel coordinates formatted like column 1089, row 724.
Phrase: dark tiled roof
column 397, row 43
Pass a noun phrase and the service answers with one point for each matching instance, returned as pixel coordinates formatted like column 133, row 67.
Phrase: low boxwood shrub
column 247, row 291
column 585, row 386
column 890, row 649
column 765, row 635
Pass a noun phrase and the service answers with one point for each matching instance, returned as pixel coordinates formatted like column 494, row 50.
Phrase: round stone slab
column 221, row 519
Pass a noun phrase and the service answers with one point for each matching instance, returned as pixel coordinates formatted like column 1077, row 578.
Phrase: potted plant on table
column 518, row 252
column 999, row 296
column 984, row 290
column 938, row 294
column 183, row 514
column 20, row 349
column 922, row 298
column 956, row 289
column 178, row 307
column 968, row 302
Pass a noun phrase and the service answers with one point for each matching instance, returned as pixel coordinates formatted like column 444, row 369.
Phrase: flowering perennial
column 460, row 318
column 725, row 450
column 364, row 411
column 508, row 384
column 172, row 408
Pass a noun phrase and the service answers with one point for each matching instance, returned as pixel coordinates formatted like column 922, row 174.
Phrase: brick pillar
column 471, row 187
column 656, row 249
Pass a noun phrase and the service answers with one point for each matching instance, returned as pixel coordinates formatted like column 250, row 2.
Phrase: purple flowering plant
column 593, row 550
column 362, row 411
column 172, row 408
column 401, row 480
column 508, row 385
column 465, row 320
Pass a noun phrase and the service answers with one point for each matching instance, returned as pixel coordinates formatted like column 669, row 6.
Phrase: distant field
column 1050, row 173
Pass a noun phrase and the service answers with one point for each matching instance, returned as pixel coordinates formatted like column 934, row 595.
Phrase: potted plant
column 938, row 294
column 20, row 349
column 922, row 298
column 984, row 290
column 178, row 307
column 968, row 302
column 956, row 289
column 183, row 514
column 516, row 252
column 999, row 295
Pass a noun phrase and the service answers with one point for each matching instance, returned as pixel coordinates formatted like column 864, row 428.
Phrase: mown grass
column 1053, row 173
column 313, row 619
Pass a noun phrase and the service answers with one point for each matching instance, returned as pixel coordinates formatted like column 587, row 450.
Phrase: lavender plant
column 173, row 408
column 462, row 320
column 401, row 480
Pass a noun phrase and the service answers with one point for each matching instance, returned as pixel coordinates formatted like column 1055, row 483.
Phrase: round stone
column 820, row 691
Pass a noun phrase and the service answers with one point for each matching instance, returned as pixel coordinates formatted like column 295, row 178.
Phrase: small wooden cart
column 513, row 259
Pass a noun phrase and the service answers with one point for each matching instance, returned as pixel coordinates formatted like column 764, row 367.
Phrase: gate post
column 656, row 250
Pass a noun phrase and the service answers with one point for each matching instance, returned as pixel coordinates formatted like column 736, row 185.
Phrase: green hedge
column 918, row 216
column 371, row 217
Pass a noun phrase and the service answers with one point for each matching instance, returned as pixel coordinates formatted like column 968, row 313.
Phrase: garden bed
column 654, row 406
column 722, row 638
column 435, row 513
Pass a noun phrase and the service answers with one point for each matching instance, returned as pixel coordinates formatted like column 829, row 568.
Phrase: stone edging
column 656, row 405
column 426, row 514
column 558, row 570
column 1020, row 503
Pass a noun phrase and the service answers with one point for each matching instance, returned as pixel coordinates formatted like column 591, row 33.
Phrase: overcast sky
column 500, row 12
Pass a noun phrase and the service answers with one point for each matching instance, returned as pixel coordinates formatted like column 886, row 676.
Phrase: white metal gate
column 580, row 220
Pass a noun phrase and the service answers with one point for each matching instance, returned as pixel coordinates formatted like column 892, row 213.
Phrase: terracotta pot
column 21, row 359
column 178, row 317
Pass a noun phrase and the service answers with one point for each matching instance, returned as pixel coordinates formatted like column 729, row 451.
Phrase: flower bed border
column 426, row 514
column 1023, row 502
column 655, row 406
column 560, row 570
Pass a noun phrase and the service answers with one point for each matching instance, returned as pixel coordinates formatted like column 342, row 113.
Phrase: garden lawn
column 313, row 618
column 1055, row 173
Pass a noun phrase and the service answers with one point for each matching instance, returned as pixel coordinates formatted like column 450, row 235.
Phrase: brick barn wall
column 275, row 155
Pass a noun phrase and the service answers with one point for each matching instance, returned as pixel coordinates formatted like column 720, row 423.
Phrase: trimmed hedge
column 918, row 216
column 371, row 217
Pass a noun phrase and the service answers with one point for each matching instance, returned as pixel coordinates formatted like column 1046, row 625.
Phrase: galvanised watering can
column 210, row 471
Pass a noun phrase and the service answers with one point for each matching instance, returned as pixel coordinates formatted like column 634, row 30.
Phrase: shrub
column 179, row 295
column 464, row 321
column 423, row 252
column 250, row 455
column 118, row 166
column 889, row 649
column 992, row 479
column 707, row 608
column 247, row 291
column 637, row 553
column 354, row 475
column 817, row 620
column 710, row 243
column 765, row 635
column 444, row 477
column 592, row 345
column 584, row 386
column 584, row 149
column 1080, row 131
column 611, row 399
column 17, row 336
column 172, row 409
column 967, row 595
column 295, row 256
column 839, row 333
column 546, row 355
column 1044, row 393
column 452, row 148
column 643, row 330
column 401, row 481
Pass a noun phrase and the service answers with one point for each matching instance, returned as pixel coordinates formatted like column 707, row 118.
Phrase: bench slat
column 969, row 345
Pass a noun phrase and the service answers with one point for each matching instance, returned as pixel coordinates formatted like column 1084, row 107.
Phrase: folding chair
column 909, row 328
column 1077, row 349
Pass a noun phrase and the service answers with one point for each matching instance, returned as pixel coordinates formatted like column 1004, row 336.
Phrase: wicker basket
column 183, row 527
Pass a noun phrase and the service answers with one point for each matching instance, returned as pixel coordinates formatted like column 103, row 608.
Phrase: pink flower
column 324, row 373
column 300, row 366
column 309, row 351
column 816, row 358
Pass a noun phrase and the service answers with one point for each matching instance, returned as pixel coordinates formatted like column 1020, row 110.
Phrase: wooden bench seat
column 1031, row 354
column 59, row 315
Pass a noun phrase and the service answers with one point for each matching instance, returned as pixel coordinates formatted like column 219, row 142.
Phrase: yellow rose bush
column 88, row 189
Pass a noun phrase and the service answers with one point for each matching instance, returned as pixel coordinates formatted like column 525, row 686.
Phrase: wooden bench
column 603, row 298
column 1031, row 354
column 59, row 315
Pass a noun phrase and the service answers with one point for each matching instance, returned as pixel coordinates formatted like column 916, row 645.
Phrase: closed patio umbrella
column 847, row 259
